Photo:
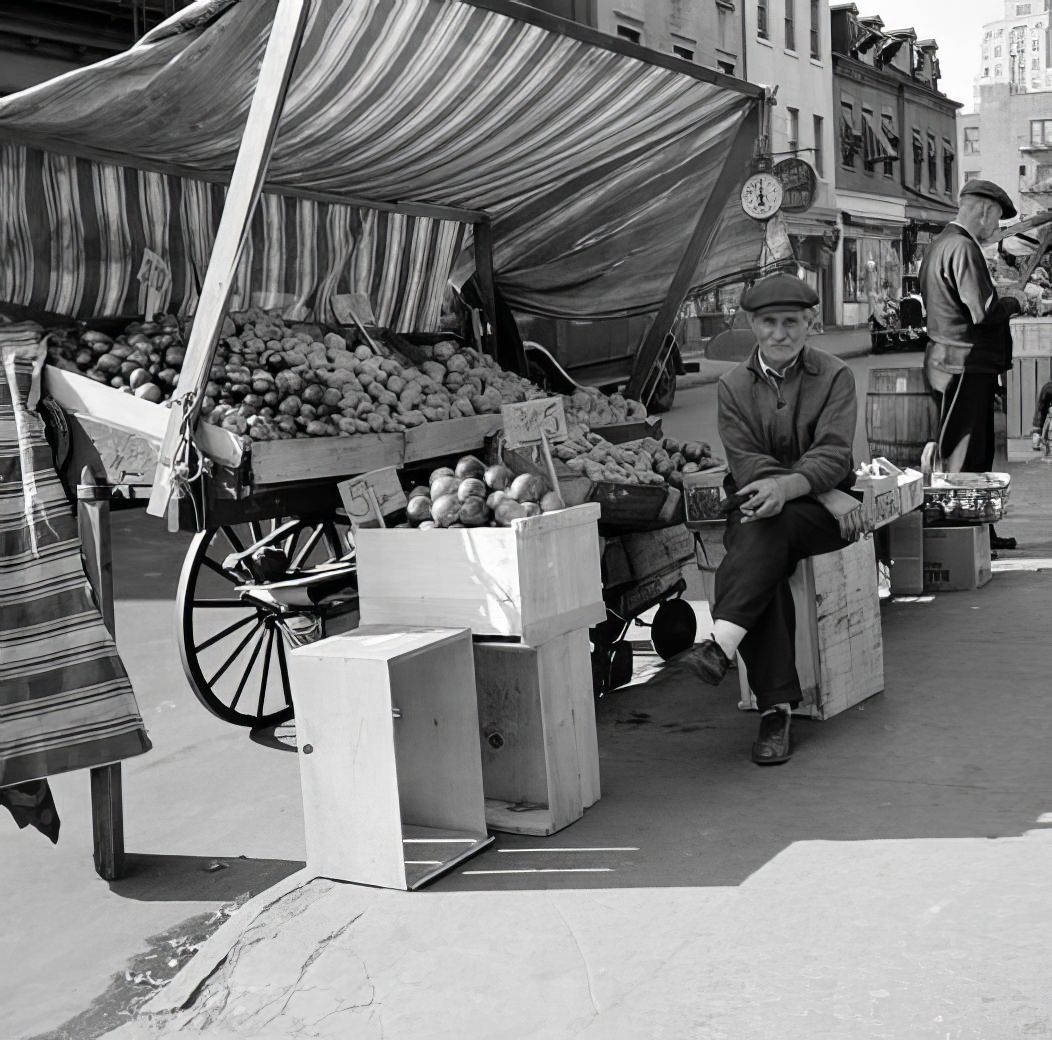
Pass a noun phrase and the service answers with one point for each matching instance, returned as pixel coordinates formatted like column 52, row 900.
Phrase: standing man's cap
column 779, row 290
column 989, row 190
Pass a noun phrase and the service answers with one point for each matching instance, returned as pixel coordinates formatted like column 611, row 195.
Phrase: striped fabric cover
column 65, row 699
column 592, row 164
column 72, row 235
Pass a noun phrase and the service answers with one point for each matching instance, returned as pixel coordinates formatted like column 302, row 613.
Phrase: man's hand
column 762, row 499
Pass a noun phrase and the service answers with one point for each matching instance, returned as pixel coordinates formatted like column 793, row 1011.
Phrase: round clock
column 762, row 196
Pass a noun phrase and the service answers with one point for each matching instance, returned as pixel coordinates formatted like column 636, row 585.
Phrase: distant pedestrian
column 970, row 342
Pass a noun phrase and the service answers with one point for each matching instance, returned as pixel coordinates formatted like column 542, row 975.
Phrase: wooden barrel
column 901, row 415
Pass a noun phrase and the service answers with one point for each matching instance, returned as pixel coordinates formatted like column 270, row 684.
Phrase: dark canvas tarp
column 592, row 164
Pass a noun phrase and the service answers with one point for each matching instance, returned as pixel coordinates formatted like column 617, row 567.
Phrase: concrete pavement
column 889, row 882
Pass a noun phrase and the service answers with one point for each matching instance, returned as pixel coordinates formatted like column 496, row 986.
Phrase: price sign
column 372, row 496
column 799, row 185
column 155, row 284
column 534, row 422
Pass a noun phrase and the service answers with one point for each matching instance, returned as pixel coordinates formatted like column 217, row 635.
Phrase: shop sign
column 799, row 185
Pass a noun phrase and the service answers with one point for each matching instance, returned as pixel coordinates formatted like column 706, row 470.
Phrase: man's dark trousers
column 752, row 590
column 966, row 423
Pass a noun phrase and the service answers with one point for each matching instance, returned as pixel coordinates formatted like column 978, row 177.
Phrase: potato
column 332, row 397
column 316, row 428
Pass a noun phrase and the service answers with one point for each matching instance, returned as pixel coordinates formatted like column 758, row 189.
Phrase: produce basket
column 702, row 496
column 975, row 497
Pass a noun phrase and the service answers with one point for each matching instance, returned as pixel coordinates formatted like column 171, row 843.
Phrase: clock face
column 762, row 196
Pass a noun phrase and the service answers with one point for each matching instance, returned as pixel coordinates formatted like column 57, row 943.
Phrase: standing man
column 787, row 421
column 968, row 329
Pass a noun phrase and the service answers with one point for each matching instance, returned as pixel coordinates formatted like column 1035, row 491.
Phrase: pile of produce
column 475, row 495
column 589, row 407
column 644, row 461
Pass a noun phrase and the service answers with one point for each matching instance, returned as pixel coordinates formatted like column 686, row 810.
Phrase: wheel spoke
column 219, row 603
column 229, row 630
column 216, row 568
column 332, row 540
column 248, row 670
column 283, row 666
column 230, row 660
column 232, row 537
column 308, row 547
column 266, row 672
column 256, row 530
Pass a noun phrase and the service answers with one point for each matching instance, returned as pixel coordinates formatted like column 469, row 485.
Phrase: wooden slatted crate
column 540, row 754
column 538, row 579
column 1031, row 369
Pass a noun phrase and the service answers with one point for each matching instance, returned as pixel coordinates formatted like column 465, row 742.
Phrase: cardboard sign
column 372, row 496
column 533, row 422
column 155, row 284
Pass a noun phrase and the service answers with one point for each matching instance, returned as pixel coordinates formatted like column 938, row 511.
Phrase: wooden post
column 107, row 806
column 487, row 286
column 704, row 232
column 246, row 182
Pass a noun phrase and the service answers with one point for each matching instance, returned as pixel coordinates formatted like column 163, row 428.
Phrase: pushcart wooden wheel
column 243, row 604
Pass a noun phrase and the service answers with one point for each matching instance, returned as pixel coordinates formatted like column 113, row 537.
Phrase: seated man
column 787, row 420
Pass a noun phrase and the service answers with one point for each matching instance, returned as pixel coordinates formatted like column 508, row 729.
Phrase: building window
column 872, row 267
column 790, row 25
column 997, row 71
column 971, row 140
column 816, row 29
column 933, row 164
column 1041, row 131
column 891, row 142
column 918, row 159
column 849, row 137
column 1035, row 64
column 947, row 167
column 683, row 52
column 724, row 13
column 761, row 19
column 726, row 67
column 820, row 162
column 793, row 129
column 632, row 35
column 1043, row 172
column 970, row 175
column 1035, row 43
column 1022, row 9
column 997, row 52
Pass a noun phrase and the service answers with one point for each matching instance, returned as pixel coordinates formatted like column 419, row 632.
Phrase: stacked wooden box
column 839, row 645
column 529, row 594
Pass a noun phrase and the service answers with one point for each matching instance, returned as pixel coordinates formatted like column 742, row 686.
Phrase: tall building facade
column 708, row 33
column 787, row 46
column 1009, row 141
column 1017, row 49
column 896, row 162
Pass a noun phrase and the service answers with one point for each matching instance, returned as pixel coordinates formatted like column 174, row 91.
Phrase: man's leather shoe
column 997, row 542
column 772, row 745
column 709, row 661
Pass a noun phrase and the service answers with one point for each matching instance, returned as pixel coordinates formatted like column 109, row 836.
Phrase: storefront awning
column 590, row 159
column 876, row 147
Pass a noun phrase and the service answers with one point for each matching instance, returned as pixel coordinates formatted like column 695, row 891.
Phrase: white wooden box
column 540, row 754
column 387, row 727
column 839, row 645
column 536, row 580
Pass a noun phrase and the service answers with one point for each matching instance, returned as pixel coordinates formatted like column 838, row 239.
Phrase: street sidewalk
column 889, row 882
column 844, row 343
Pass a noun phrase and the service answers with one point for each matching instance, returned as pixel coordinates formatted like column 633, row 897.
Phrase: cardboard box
column 906, row 550
column 911, row 490
column 956, row 559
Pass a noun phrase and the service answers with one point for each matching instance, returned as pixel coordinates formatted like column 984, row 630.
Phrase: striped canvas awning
column 591, row 161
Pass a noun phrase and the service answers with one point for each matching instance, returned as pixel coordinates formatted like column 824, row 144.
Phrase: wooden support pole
column 487, row 286
column 107, row 805
column 704, row 233
column 246, row 183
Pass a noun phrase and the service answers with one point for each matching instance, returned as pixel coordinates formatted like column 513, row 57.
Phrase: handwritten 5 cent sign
column 530, row 422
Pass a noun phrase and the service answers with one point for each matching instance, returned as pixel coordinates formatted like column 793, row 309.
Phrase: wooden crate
column 540, row 755
column 537, row 579
column 637, row 557
column 1031, row 369
column 839, row 646
column 387, row 726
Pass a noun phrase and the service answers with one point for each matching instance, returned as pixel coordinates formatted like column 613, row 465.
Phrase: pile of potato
column 589, row 407
column 644, row 461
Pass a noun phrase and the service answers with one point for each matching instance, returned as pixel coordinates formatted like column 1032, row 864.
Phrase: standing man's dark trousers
column 966, row 423
column 752, row 590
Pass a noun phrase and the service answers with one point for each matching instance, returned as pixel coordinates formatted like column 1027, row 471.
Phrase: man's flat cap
column 779, row 290
column 989, row 190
